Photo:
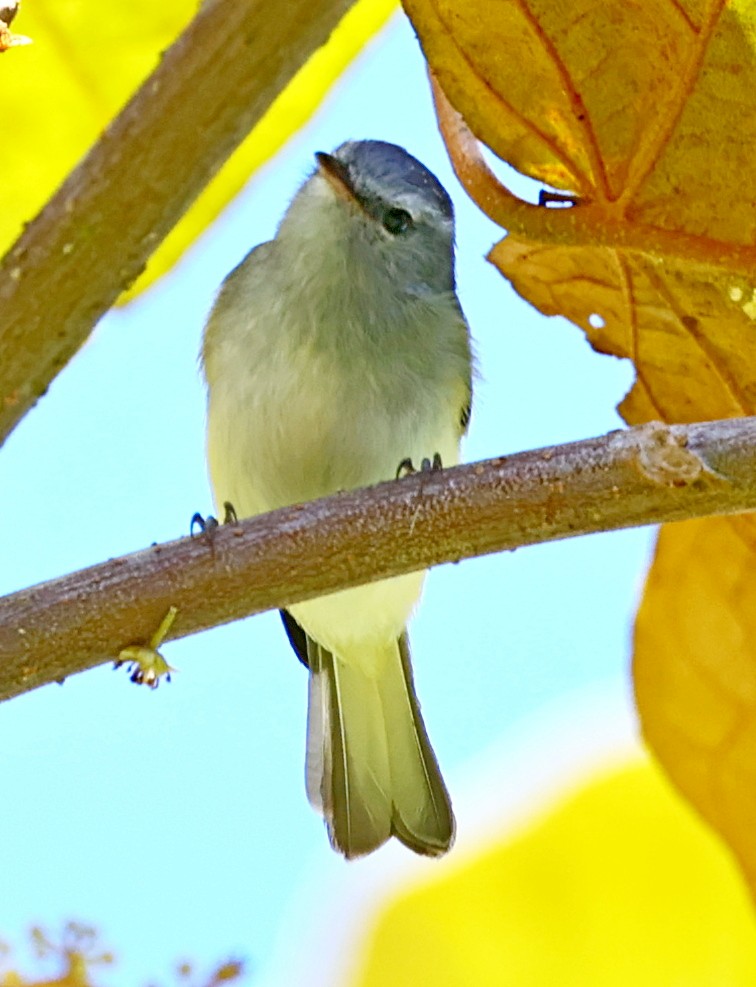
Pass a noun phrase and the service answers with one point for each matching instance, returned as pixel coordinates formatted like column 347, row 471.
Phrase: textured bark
column 94, row 236
column 646, row 475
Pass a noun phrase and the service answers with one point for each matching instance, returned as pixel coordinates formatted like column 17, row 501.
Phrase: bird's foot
column 407, row 467
column 208, row 525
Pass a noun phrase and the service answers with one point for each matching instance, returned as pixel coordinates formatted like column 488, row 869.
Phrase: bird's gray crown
column 388, row 167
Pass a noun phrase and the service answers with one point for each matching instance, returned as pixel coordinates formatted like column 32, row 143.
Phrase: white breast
column 299, row 431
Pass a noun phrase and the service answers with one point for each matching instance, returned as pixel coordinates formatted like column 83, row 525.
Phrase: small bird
column 334, row 353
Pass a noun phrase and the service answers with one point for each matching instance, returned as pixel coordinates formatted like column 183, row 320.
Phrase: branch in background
column 646, row 475
column 94, row 236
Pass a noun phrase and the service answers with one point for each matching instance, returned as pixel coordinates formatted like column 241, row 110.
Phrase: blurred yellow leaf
column 616, row 885
column 695, row 675
column 61, row 91
column 87, row 59
column 647, row 114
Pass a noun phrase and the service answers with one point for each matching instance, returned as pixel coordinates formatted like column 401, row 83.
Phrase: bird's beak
column 337, row 176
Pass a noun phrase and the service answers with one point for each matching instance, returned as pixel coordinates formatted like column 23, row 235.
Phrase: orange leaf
column 619, row 102
column 645, row 112
column 686, row 327
column 695, row 675
column 623, row 106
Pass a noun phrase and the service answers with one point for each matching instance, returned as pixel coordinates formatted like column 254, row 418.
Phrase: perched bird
column 332, row 354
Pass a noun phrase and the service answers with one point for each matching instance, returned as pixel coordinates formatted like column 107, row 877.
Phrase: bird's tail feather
column 371, row 771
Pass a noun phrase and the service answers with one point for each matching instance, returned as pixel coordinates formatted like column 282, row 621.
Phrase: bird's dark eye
column 396, row 221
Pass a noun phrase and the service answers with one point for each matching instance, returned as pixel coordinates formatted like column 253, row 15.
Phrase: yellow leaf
column 87, row 59
column 646, row 112
column 615, row 886
column 61, row 92
column 695, row 674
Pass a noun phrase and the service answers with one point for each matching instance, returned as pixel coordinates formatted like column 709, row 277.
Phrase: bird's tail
column 371, row 771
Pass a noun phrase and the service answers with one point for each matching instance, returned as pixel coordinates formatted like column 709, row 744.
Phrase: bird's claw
column 208, row 525
column 407, row 467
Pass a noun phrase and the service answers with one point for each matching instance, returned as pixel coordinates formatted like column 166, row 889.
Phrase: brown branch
column 94, row 236
column 647, row 475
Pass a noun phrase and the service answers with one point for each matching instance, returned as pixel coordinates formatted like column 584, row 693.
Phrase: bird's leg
column 146, row 666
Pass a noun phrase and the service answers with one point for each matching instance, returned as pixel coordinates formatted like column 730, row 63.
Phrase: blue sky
column 176, row 821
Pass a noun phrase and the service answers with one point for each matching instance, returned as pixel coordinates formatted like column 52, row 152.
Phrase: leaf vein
column 583, row 182
column 580, row 111
column 628, row 297
column 655, row 139
column 727, row 379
